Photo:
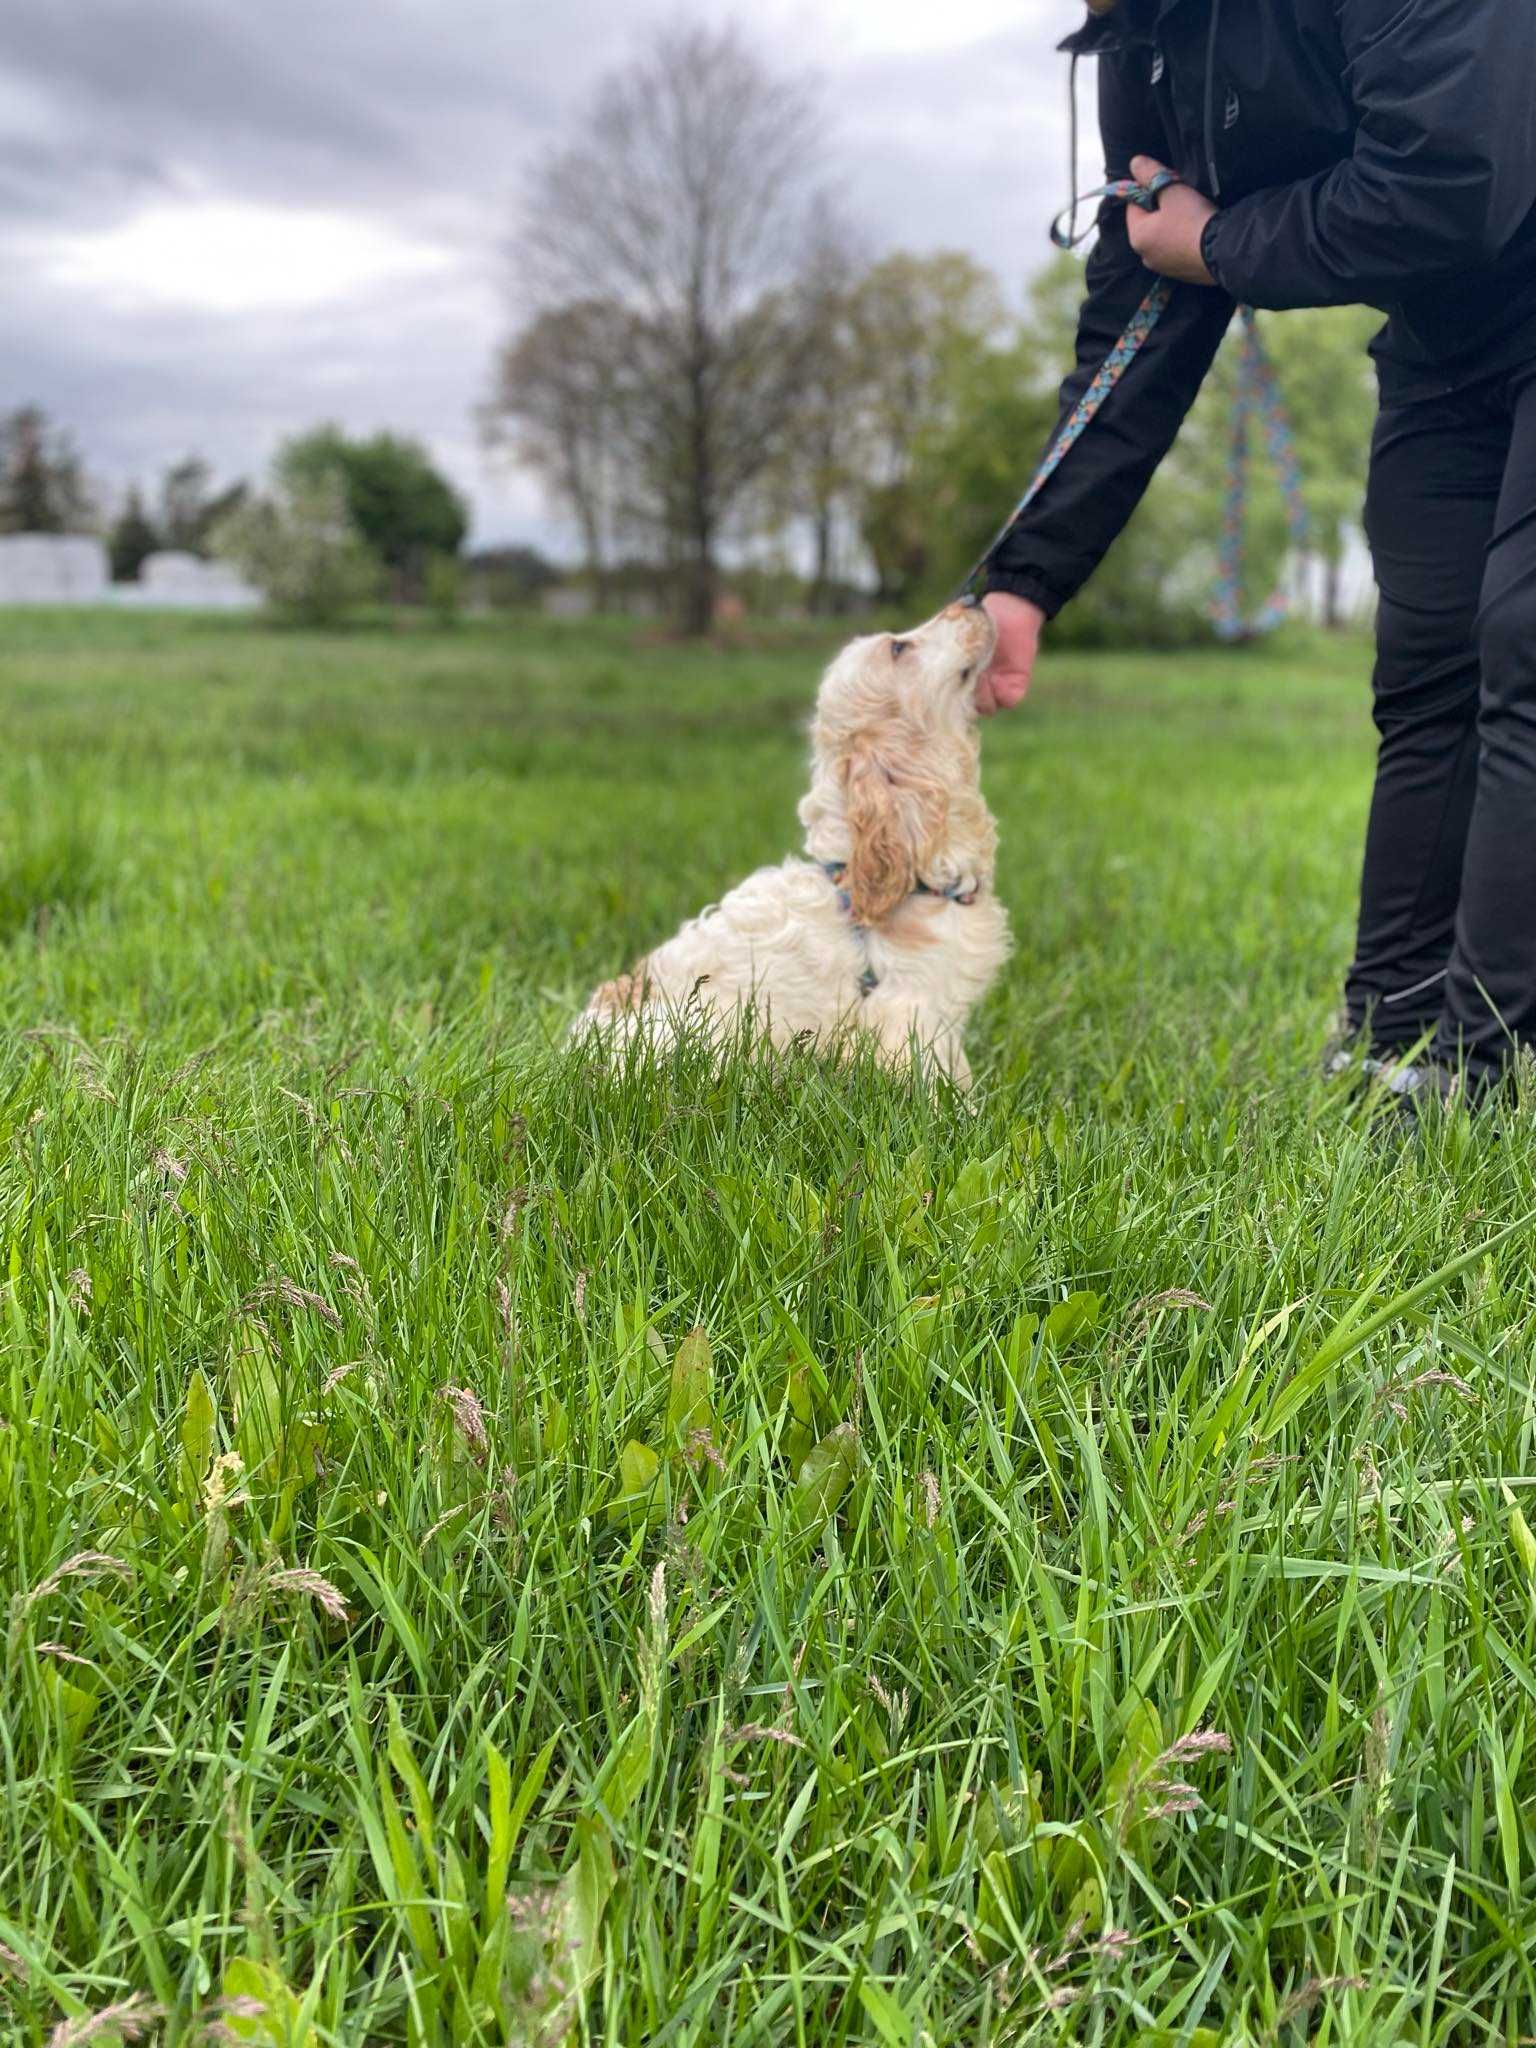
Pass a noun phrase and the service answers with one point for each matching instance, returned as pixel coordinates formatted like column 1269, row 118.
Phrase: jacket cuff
column 1028, row 584
column 1210, row 256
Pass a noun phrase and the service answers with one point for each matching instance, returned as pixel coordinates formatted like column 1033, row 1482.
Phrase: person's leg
column 1490, row 997
column 1436, row 471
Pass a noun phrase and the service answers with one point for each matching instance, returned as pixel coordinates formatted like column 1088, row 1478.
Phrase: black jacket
column 1375, row 152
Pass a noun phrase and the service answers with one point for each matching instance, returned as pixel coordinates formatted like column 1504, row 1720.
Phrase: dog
column 887, row 932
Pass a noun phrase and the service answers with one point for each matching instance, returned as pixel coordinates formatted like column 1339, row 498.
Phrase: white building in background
column 189, row 583
column 54, row 568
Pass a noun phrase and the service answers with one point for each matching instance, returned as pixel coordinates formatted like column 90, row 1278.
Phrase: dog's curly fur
column 895, row 802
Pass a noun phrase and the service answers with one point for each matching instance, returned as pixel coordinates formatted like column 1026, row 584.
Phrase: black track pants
column 1447, row 938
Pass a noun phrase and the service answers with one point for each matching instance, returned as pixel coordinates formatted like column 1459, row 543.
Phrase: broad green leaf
column 508, row 1816
column 825, row 1477
column 258, row 1401
column 75, row 1707
column 800, row 1430
column 589, row 1886
column 199, row 1437
column 688, row 1402
column 1522, row 1539
column 247, row 1985
column 1129, row 1777
column 556, row 1435
column 1077, row 1316
column 637, row 1499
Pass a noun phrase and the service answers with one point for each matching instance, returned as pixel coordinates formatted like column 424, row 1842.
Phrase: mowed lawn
column 497, row 1553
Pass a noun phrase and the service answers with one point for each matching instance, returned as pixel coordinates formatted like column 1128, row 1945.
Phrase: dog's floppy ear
column 882, row 868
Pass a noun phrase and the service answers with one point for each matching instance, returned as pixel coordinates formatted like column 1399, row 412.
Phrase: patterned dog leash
column 1258, row 397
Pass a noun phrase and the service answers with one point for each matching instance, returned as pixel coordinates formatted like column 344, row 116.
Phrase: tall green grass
column 500, row 1551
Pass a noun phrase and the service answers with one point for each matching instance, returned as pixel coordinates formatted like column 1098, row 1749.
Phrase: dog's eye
column 899, row 648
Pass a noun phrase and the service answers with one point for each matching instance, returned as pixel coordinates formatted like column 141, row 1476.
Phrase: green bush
column 445, row 589
column 302, row 551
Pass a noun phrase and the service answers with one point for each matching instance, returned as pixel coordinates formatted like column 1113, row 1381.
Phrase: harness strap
column 835, row 872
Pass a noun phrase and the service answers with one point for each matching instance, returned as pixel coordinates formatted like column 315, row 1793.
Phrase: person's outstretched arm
column 1443, row 173
column 1065, row 534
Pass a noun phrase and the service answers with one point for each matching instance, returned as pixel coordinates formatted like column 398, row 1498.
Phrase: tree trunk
column 699, row 584
column 700, row 588
column 1333, row 594
column 597, row 570
column 821, row 587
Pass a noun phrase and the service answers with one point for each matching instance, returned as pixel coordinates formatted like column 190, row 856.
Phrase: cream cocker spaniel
column 888, row 931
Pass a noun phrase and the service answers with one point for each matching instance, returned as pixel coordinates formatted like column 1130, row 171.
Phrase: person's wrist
column 1008, row 604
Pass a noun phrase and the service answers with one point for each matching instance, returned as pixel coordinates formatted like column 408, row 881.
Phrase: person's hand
column 1168, row 241
column 1007, row 681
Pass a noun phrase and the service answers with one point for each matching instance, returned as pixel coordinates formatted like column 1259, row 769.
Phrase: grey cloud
column 423, row 115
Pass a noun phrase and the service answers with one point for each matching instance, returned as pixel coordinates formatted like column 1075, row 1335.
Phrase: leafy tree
column 444, row 589
column 133, row 539
column 992, row 423
column 301, row 549
column 42, row 480
column 191, row 509
column 400, row 503
column 1329, row 386
column 917, row 325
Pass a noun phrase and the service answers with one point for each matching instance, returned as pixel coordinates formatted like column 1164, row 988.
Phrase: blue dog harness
column 835, row 872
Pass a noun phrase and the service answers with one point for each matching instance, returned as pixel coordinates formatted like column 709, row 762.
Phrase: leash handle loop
column 1065, row 232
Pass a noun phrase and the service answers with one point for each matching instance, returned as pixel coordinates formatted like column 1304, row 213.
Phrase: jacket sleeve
column 1443, row 172
column 1059, row 542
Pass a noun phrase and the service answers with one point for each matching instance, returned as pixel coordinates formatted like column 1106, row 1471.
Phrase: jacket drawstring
column 1072, row 133
column 1210, row 100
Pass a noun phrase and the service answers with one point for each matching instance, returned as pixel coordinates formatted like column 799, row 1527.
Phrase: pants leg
column 1437, row 469
column 1490, row 995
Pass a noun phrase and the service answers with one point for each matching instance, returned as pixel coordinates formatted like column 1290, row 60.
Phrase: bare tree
column 826, row 445
column 558, row 405
column 684, row 202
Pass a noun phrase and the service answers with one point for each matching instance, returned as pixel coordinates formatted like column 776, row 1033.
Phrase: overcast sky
column 225, row 219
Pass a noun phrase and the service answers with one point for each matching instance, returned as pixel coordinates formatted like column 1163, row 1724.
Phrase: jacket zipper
column 1210, row 100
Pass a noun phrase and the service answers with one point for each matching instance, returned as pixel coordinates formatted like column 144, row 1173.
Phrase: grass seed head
column 130, row 2020
column 468, row 1413
column 1307, row 1996
column 85, row 1564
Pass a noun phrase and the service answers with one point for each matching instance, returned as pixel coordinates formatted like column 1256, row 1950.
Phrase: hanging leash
column 1114, row 367
column 1258, row 398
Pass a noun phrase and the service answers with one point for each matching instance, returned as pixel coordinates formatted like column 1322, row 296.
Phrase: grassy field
column 494, row 1553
